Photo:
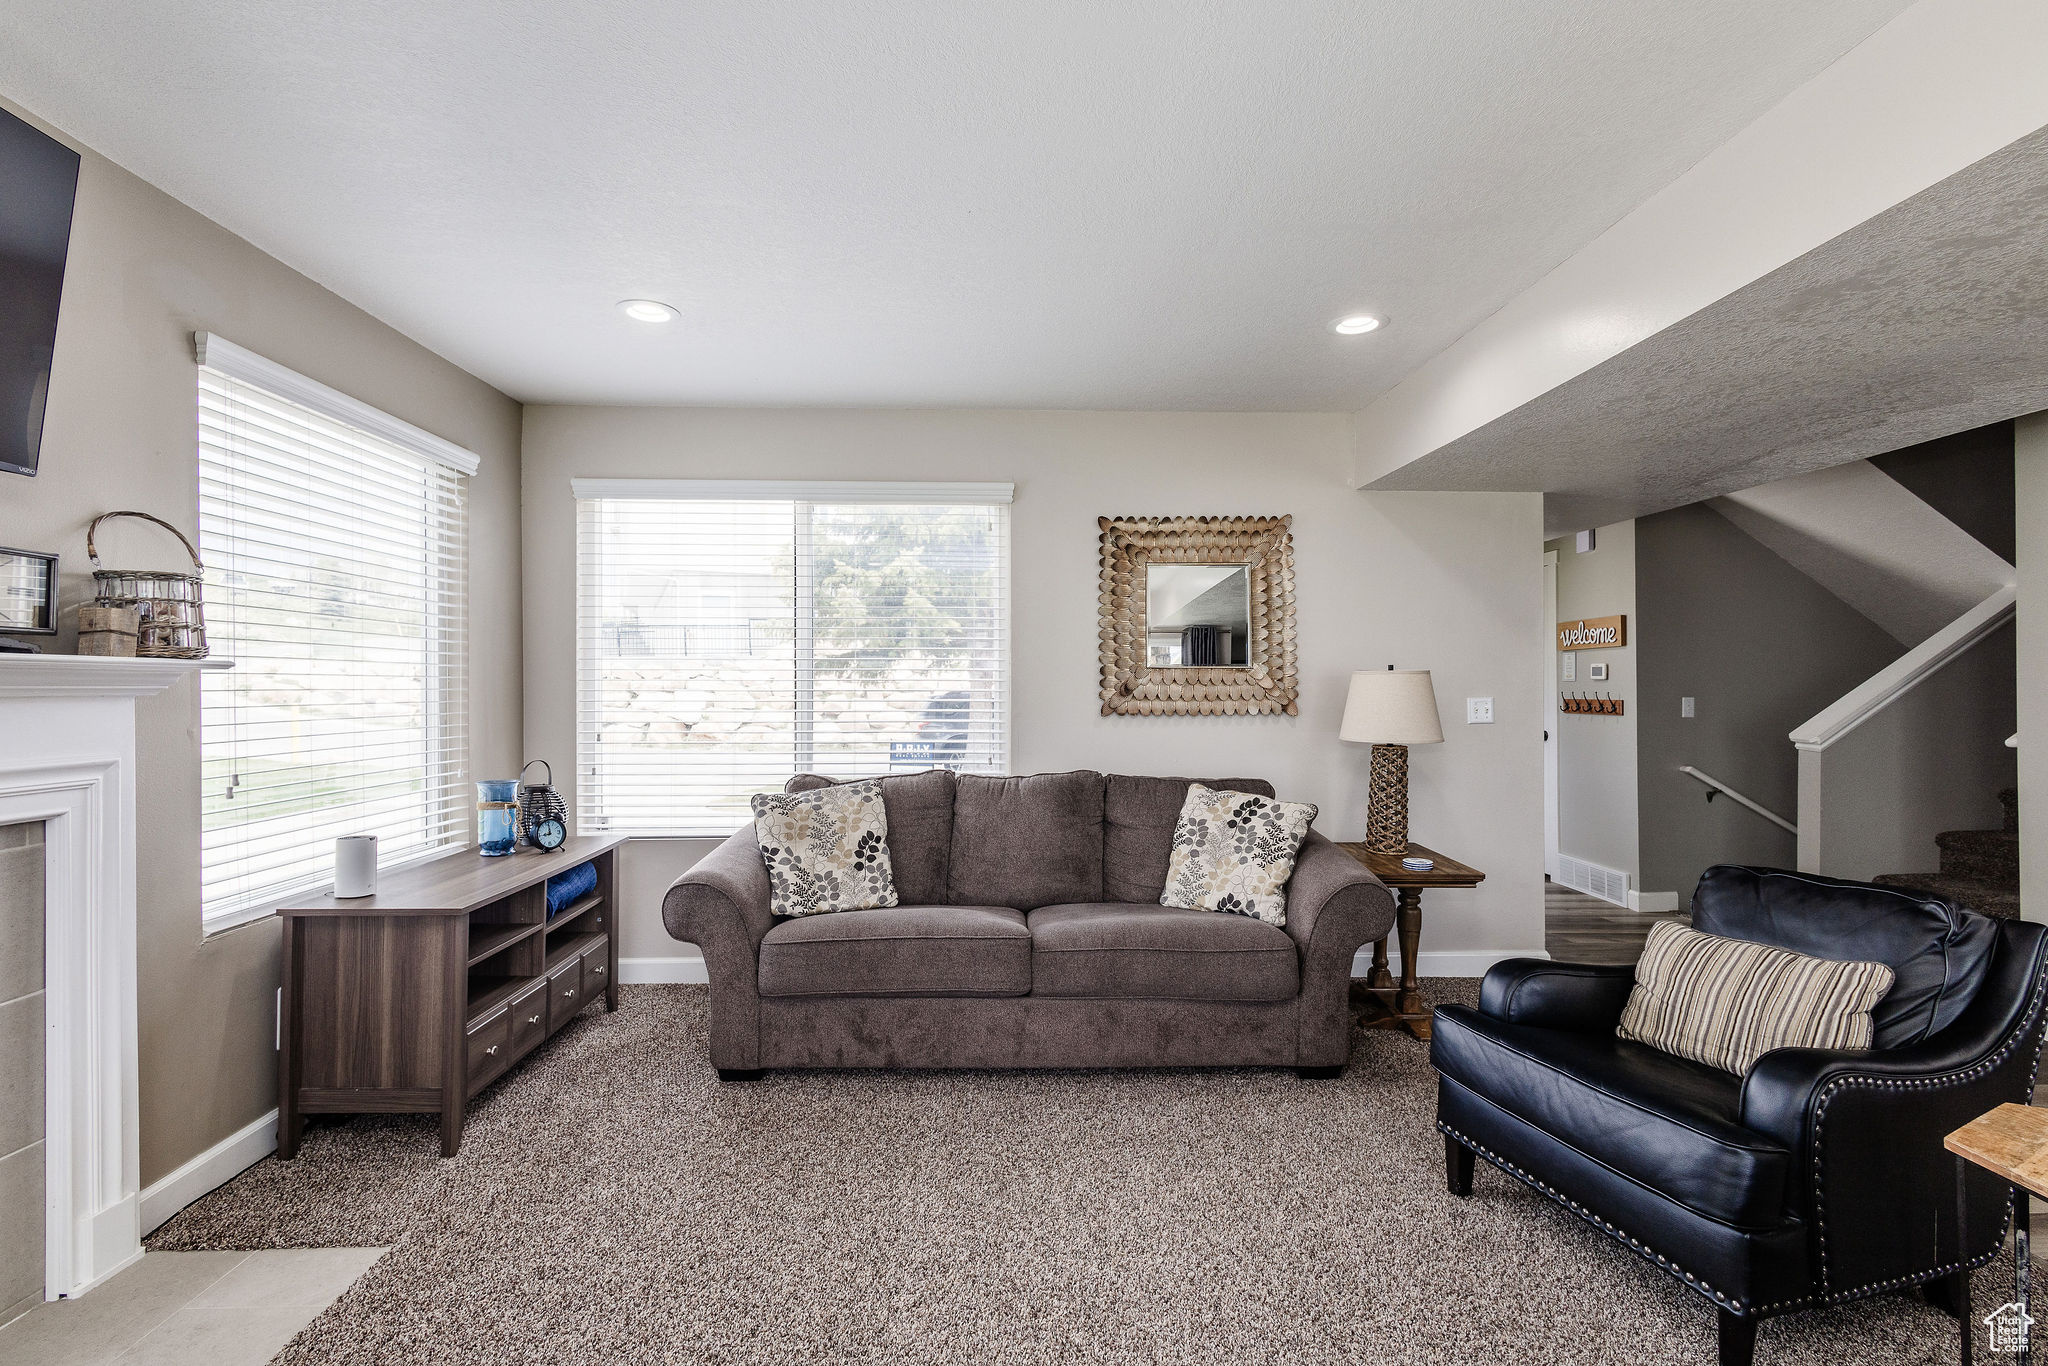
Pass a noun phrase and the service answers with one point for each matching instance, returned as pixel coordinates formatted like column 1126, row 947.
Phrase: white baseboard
column 687, row 969
column 1653, row 902
column 215, row 1167
column 1444, row 962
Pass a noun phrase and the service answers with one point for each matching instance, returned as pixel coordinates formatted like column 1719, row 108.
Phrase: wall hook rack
column 1589, row 705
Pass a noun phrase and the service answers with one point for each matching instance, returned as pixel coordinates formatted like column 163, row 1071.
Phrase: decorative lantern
column 539, row 803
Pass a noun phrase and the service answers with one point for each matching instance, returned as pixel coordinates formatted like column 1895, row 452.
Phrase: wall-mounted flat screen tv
column 38, row 181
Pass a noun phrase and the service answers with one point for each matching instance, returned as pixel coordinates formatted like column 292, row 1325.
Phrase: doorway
column 1550, row 817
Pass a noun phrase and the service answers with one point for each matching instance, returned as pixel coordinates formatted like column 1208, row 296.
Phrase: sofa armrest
column 722, row 906
column 1333, row 907
column 1583, row 997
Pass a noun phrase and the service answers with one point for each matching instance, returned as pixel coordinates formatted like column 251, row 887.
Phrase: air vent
column 1609, row 884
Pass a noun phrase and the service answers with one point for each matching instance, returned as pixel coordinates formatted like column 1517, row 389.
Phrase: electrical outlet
column 1479, row 711
column 1685, row 707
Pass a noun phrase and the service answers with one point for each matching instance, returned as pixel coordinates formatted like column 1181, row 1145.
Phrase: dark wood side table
column 1382, row 1004
column 2010, row 1142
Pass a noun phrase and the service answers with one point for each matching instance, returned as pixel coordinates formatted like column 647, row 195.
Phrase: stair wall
column 1933, row 761
column 1702, row 587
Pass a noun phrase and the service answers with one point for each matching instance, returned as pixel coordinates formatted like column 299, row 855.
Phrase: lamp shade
column 1391, row 707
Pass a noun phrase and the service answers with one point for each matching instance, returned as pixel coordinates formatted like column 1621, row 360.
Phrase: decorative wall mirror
column 1197, row 616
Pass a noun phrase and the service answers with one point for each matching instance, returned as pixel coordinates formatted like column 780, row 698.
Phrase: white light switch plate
column 1685, row 706
column 1478, row 711
column 1571, row 667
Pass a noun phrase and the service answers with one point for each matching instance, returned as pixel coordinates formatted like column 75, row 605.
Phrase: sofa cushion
column 1234, row 852
column 1138, row 816
column 900, row 951
column 1120, row 949
column 826, row 850
column 1670, row 1124
column 920, row 811
column 1027, row 842
column 1939, row 951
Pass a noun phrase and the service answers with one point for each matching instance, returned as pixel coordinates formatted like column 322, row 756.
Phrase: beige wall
column 1596, row 755
column 2030, row 498
column 1447, row 582
column 146, row 272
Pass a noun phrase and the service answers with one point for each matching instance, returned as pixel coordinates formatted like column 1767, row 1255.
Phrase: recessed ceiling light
column 647, row 311
column 1354, row 324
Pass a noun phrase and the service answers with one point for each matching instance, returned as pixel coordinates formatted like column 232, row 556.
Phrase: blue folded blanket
column 565, row 889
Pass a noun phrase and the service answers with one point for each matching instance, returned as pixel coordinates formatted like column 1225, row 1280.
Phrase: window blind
column 335, row 580
column 732, row 634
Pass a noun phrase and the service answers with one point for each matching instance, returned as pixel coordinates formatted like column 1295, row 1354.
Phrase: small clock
column 550, row 835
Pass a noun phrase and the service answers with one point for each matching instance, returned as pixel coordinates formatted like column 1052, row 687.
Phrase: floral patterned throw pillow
column 1234, row 852
column 826, row 850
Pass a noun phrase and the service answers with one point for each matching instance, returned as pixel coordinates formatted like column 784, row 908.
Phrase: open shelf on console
column 568, row 946
column 573, row 911
column 488, row 991
column 488, row 940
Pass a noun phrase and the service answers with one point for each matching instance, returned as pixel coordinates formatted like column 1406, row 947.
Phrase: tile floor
column 188, row 1309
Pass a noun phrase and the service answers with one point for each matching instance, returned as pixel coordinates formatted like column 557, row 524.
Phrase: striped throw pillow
column 1727, row 1002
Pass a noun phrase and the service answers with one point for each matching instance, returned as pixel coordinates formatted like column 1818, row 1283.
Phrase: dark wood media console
column 417, row 998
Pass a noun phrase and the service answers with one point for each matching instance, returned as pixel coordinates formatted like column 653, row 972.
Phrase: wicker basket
column 173, row 626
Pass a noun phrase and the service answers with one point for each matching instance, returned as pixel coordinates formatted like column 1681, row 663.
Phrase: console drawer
column 597, row 961
column 565, row 993
column 528, row 1014
column 490, row 1047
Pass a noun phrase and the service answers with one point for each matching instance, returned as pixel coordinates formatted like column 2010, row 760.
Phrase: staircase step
column 2009, row 798
column 1981, row 855
column 1987, row 898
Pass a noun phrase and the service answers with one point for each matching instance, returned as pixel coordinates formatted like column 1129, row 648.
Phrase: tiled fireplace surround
column 21, row 1067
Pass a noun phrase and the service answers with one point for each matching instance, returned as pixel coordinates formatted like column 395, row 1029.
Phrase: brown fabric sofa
column 1029, row 934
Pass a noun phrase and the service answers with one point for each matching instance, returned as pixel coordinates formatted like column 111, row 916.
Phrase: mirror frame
column 1265, row 685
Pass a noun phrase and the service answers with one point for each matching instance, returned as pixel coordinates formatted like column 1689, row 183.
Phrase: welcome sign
column 1592, row 633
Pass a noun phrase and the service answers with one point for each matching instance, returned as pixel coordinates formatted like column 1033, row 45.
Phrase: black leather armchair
column 1817, row 1178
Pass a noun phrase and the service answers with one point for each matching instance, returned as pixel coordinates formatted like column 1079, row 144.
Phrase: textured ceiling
column 1929, row 319
column 1155, row 204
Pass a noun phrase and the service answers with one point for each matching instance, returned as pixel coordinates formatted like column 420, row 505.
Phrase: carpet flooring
column 614, row 1203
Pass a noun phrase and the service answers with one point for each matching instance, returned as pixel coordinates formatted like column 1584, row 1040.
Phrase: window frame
column 801, row 493
column 444, row 646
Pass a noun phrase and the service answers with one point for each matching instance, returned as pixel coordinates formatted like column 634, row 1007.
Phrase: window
column 731, row 634
column 334, row 543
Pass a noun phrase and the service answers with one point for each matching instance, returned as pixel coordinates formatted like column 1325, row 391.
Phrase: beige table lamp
column 1390, row 711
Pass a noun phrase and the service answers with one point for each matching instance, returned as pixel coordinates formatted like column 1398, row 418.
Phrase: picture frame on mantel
column 28, row 592
column 1262, row 679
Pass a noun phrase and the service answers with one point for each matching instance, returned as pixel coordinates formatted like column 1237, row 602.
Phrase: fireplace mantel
column 23, row 676
column 69, row 762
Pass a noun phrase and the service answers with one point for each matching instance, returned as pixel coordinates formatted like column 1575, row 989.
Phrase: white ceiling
column 1155, row 204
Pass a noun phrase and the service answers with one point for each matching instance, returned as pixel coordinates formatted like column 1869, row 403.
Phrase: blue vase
column 497, row 812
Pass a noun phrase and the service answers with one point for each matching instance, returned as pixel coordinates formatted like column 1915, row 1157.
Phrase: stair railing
column 1873, row 695
column 1718, row 786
